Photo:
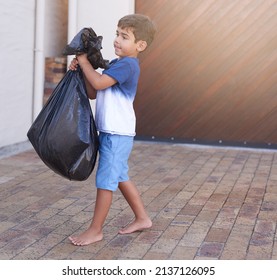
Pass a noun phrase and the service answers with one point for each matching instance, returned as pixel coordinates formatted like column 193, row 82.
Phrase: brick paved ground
column 206, row 203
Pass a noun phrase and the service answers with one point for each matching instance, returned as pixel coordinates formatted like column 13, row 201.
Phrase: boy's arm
column 96, row 80
column 91, row 92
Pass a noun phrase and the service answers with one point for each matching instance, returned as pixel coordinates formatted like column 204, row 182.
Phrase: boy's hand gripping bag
column 64, row 133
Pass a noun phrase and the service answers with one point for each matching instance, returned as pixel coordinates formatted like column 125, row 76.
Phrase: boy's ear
column 141, row 46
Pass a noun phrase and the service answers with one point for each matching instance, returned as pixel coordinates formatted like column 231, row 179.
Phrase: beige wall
column 55, row 27
column 102, row 16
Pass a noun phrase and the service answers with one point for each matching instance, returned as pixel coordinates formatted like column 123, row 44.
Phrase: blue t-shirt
column 114, row 105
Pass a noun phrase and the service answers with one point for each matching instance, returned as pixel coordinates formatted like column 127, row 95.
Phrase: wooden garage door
column 211, row 74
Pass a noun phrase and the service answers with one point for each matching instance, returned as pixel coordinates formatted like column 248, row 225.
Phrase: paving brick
column 226, row 217
column 207, row 216
column 261, row 252
column 68, row 228
column 61, row 251
column 148, row 237
column 63, row 203
column 136, row 250
column 183, row 220
column 210, row 249
column 169, row 213
column 184, row 253
column 109, row 253
column 217, row 235
column 192, row 210
column 195, row 235
column 175, row 232
column 121, row 241
column 161, row 223
column 263, row 237
column 164, row 245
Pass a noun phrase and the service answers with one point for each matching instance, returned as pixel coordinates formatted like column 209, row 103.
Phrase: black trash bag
column 64, row 133
column 86, row 41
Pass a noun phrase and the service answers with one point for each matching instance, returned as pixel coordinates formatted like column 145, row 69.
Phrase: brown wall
column 211, row 73
column 55, row 69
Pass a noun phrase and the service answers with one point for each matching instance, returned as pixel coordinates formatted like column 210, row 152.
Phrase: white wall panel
column 16, row 69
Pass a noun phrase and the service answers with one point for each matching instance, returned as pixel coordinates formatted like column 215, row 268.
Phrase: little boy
column 115, row 120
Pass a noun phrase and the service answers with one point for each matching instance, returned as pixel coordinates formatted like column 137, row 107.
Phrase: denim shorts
column 114, row 152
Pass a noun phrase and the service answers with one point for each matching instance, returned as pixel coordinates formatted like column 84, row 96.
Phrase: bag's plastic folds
column 86, row 41
column 64, row 133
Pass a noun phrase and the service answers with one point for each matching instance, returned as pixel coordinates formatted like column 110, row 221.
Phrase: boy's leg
column 94, row 232
column 142, row 220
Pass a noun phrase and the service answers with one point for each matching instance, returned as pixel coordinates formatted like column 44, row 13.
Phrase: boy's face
column 125, row 45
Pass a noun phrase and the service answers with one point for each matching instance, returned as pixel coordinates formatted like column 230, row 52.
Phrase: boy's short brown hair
column 141, row 25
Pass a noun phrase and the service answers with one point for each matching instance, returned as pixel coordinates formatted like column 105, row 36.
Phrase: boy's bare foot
column 136, row 225
column 86, row 238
